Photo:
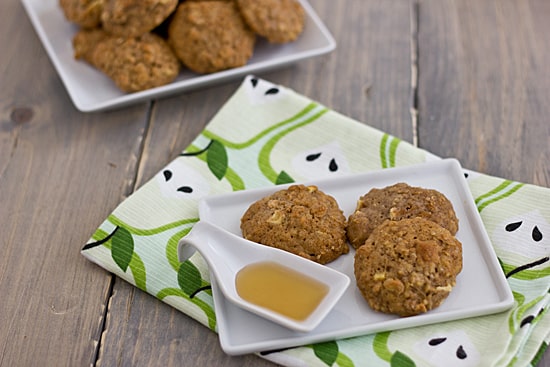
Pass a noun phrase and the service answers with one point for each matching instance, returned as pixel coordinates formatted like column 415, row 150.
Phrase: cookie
column 302, row 220
column 132, row 18
column 85, row 13
column 210, row 36
column 397, row 202
column 407, row 267
column 279, row 21
column 85, row 41
column 136, row 63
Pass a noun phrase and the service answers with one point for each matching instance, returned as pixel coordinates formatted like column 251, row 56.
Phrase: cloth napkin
column 267, row 134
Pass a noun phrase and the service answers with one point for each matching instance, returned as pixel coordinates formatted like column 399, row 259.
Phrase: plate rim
column 498, row 279
column 198, row 81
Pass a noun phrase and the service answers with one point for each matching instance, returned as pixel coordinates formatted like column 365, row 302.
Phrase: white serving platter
column 90, row 90
column 481, row 287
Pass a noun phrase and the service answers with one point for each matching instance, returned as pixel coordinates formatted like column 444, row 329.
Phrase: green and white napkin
column 266, row 135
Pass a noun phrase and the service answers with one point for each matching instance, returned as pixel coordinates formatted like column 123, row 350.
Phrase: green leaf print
column 344, row 361
column 401, row 360
column 122, row 248
column 216, row 158
column 189, row 278
column 283, row 178
column 380, row 346
column 138, row 271
column 326, row 352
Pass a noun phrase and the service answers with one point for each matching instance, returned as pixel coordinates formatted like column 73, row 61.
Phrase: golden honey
column 280, row 289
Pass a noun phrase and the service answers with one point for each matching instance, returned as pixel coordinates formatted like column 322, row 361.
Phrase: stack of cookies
column 406, row 259
column 142, row 44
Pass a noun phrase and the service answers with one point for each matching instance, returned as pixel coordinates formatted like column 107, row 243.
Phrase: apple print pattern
column 266, row 135
column 454, row 349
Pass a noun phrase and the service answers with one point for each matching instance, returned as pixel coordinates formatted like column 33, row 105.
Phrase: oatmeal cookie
column 407, row 267
column 85, row 13
column 209, row 36
column 279, row 21
column 132, row 18
column 302, row 220
column 136, row 63
column 397, row 202
column 85, row 41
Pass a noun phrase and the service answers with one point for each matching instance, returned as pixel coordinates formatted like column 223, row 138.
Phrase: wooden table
column 465, row 78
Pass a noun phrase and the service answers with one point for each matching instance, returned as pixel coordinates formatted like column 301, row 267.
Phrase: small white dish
column 90, row 90
column 227, row 254
column 481, row 287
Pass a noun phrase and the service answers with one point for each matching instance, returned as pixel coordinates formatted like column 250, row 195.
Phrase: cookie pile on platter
column 142, row 44
column 406, row 257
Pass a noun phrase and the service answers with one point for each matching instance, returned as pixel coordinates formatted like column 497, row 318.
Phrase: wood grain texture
column 483, row 87
column 484, row 84
column 358, row 79
column 61, row 173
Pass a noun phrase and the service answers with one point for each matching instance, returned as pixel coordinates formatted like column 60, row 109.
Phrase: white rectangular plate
column 90, row 90
column 481, row 287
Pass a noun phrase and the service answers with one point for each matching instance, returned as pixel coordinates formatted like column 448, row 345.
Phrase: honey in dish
column 280, row 289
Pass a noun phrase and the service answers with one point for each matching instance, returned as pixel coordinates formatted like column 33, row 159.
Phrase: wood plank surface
column 61, row 173
column 484, row 85
column 482, row 96
column 56, row 161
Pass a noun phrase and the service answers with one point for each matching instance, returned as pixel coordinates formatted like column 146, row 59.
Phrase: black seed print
column 461, row 353
column 254, row 82
column 527, row 266
column 333, row 166
column 527, row 320
column 536, row 234
column 312, row 157
column 436, row 341
column 185, row 189
column 271, row 91
column 513, row 226
column 167, row 175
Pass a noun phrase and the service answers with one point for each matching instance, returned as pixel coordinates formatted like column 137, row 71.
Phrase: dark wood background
column 466, row 78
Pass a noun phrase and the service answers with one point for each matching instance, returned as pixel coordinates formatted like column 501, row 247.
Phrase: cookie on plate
column 302, row 220
column 209, row 36
column 407, row 267
column 85, row 13
column 132, row 18
column 279, row 21
column 85, row 41
column 397, row 202
column 137, row 63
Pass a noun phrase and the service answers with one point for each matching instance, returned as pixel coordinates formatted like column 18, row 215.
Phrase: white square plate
column 481, row 287
column 90, row 90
